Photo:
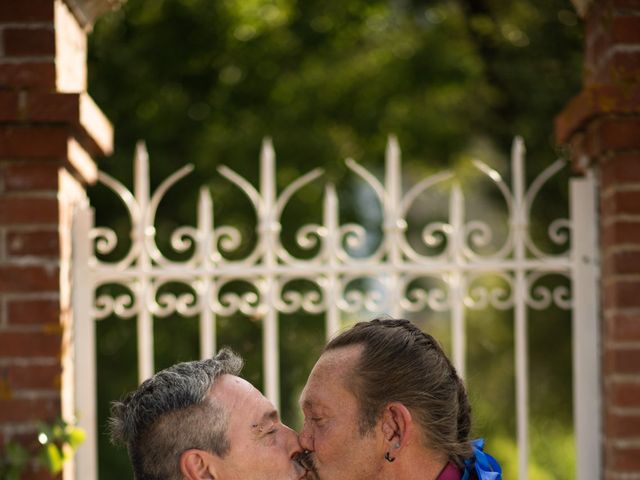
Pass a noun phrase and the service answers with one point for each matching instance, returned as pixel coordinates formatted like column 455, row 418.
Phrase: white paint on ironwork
column 143, row 287
column 456, row 280
column 207, row 319
column 586, row 341
column 269, row 229
column 396, row 277
column 330, row 282
column 519, row 228
column 84, row 344
column 393, row 223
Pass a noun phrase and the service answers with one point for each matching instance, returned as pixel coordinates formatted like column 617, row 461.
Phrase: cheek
column 330, row 440
column 272, row 458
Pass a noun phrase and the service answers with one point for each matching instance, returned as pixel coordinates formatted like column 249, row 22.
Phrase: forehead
column 328, row 381
column 243, row 402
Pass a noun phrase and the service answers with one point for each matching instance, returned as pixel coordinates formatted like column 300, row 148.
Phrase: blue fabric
column 486, row 467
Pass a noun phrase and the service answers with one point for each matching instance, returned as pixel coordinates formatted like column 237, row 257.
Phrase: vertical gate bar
column 207, row 320
column 270, row 344
column 84, row 344
column 456, row 280
column 522, row 393
column 393, row 190
column 145, row 333
column 145, row 320
column 520, row 309
column 268, row 232
column 586, row 341
column 332, row 322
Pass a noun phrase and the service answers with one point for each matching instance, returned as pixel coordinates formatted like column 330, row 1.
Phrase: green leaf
column 51, row 458
column 75, row 437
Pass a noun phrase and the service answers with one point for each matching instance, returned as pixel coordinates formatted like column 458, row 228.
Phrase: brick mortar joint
column 3, row 246
column 623, row 347
column 3, row 313
column 607, row 220
column 622, row 410
column 622, row 379
column 29, row 296
column 618, row 48
column 29, row 362
column 610, row 191
column 20, row 428
column 609, row 153
column 613, row 115
column 35, row 394
column 625, row 444
column 27, row 25
column 50, row 328
column 33, row 228
column 618, row 248
column 616, row 279
column 28, row 230
column 19, row 261
column 613, row 313
column 21, row 59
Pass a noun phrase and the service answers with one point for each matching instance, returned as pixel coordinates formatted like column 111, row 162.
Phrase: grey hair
column 172, row 412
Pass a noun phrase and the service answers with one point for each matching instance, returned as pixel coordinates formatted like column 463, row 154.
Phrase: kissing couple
column 383, row 402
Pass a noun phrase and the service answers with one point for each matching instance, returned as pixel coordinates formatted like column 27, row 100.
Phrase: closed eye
column 319, row 421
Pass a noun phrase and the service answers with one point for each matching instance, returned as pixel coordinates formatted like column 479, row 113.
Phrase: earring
column 388, row 458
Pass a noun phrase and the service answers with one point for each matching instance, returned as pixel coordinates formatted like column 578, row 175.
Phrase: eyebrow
column 271, row 415
column 313, row 405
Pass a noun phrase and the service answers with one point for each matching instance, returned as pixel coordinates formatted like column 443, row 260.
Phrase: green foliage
column 57, row 443
column 15, row 459
column 203, row 82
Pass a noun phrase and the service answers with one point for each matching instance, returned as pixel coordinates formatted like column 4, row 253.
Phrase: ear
column 397, row 423
column 197, row 465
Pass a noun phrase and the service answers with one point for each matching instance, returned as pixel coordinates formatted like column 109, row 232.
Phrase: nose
column 292, row 443
column 305, row 438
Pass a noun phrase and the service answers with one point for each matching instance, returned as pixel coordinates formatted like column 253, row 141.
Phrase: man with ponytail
column 384, row 402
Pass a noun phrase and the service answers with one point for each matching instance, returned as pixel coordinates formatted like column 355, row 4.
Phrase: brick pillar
column 50, row 131
column 602, row 127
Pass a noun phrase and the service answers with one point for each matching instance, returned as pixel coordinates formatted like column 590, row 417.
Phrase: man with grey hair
column 198, row 420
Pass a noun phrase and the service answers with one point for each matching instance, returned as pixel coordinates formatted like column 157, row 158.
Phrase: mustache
column 304, row 458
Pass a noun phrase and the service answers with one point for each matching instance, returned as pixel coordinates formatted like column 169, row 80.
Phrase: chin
column 303, row 475
column 311, row 475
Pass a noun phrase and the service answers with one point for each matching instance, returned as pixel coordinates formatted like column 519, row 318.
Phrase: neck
column 423, row 464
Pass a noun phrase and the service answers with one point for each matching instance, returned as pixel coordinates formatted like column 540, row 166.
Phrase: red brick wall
column 46, row 145
column 602, row 126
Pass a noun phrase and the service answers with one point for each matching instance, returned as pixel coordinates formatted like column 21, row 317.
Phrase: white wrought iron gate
column 395, row 265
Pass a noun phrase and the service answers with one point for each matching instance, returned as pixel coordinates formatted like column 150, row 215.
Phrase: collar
column 449, row 472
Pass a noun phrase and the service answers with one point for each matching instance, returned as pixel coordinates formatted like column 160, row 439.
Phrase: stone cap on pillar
column 595, row 101
column 600, row 119
column 87, row 11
